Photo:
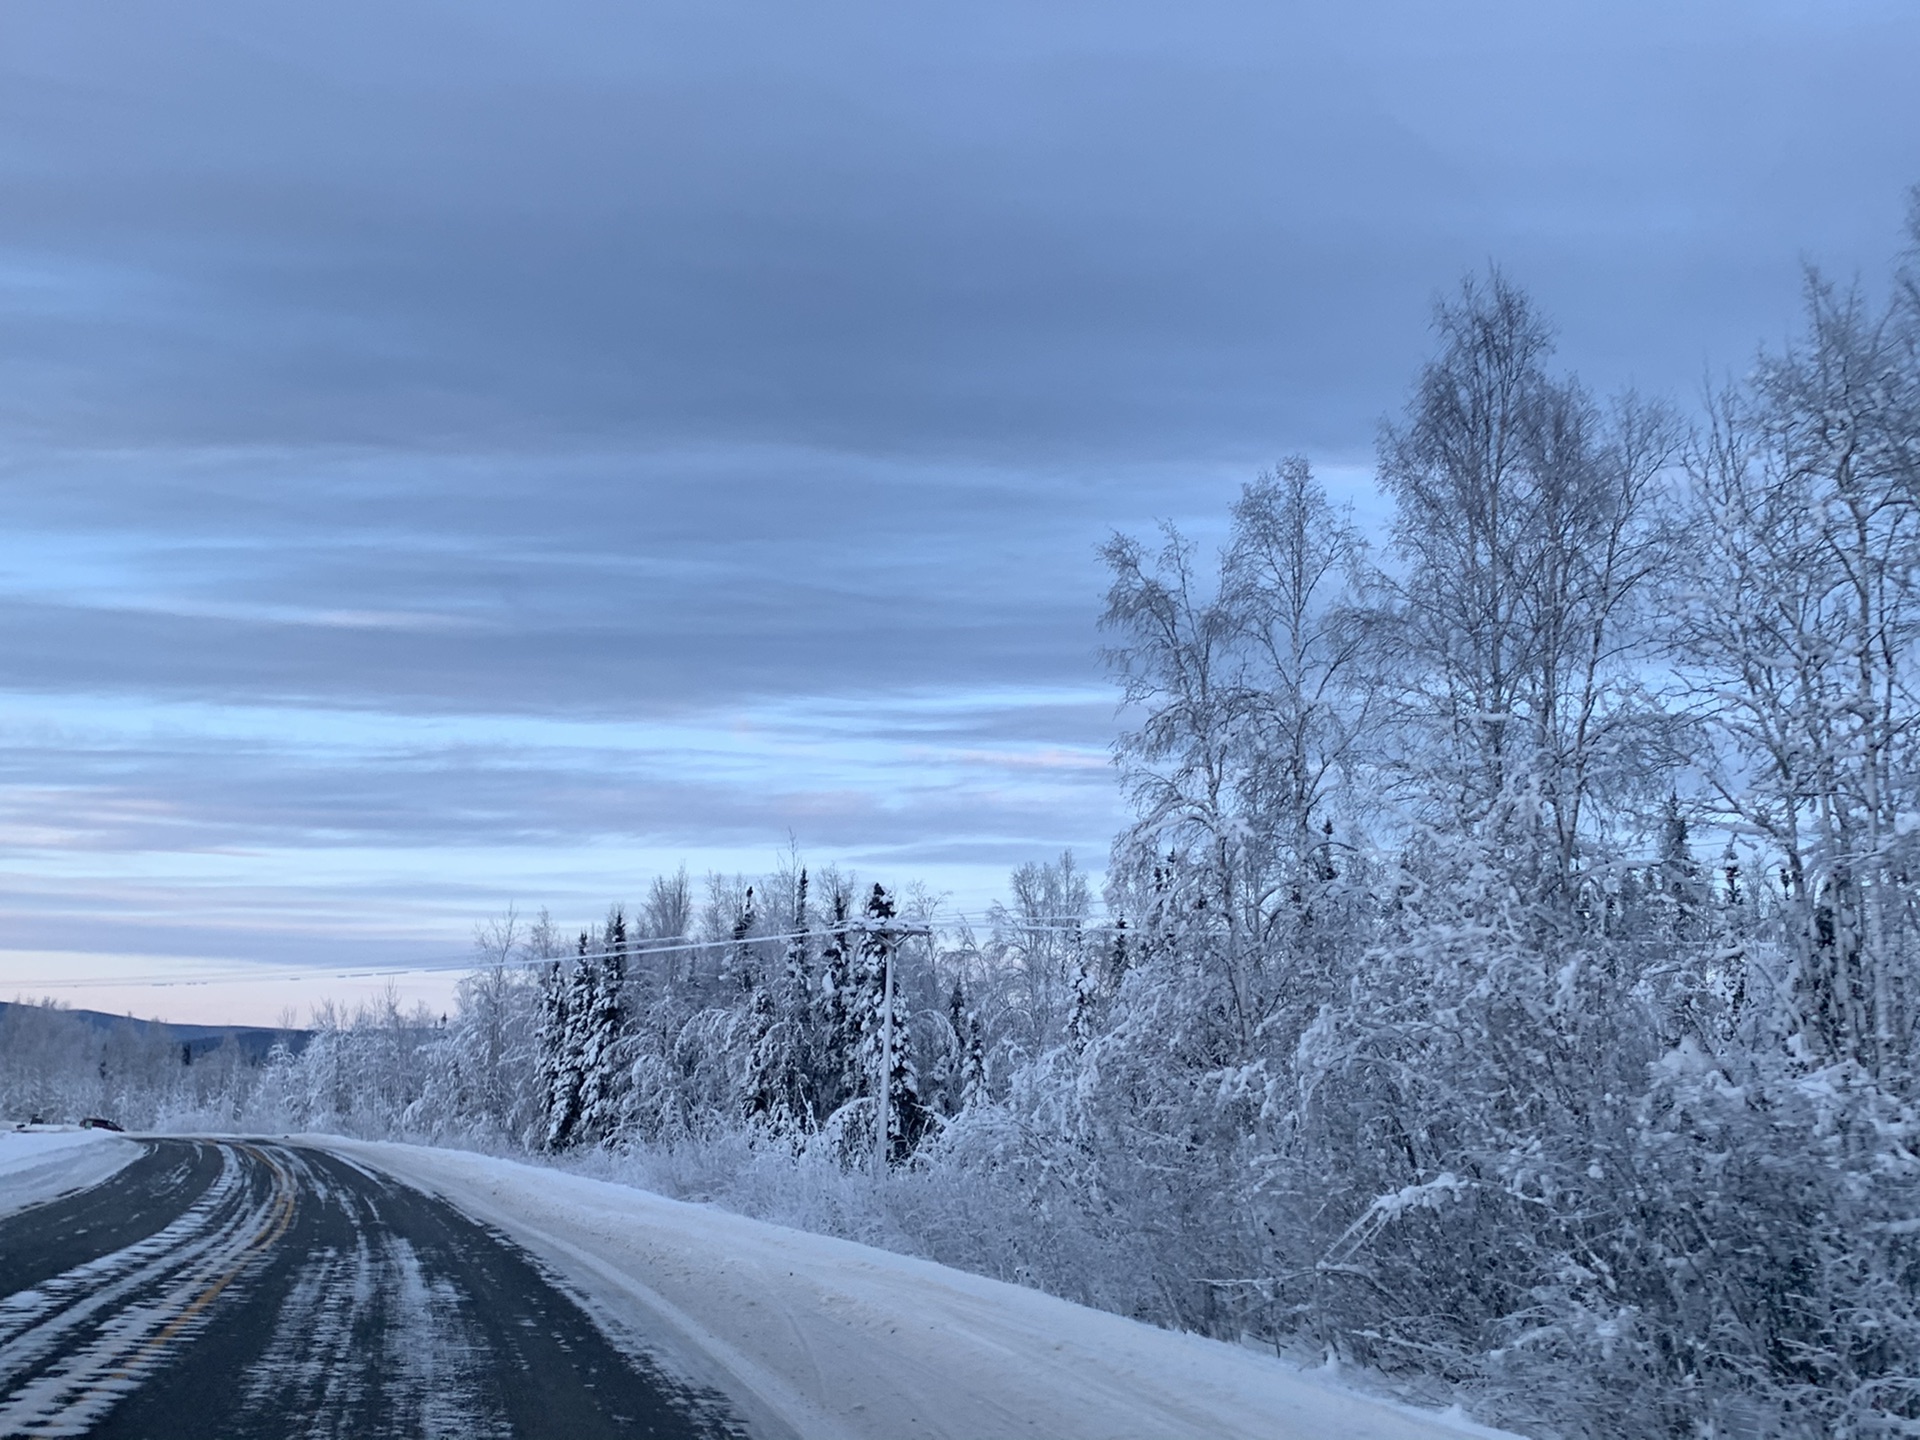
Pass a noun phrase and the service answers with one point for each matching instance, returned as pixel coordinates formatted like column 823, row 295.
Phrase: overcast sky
column 455, row 454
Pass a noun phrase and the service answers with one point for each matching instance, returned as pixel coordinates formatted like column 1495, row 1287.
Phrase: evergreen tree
column 775, row 1097
column 837, row 1071
column 1086, row 1003
column 881, row 1026
column 794, row 990
column 761, row 1084
column 963, row 1076
column 775, row 1083
column 796, row 1010
column 602, row 1050
column 551, row 1049
column 944, row 1086
column 973, row 1063
column 740, row 964
column 579, row 1013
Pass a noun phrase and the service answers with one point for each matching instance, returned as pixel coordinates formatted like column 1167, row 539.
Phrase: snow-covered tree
column 602, row 1025
column 885, row 1051
column 1248, row 703
column 837, row 1072
column 576, row 1009
column 1532, row 534
column 1796, row 620
column 1038, row 947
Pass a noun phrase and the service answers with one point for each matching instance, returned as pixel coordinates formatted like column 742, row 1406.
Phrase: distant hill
column 253, row 1041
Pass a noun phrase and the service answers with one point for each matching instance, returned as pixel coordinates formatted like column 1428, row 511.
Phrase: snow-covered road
column 226, row 1289
column 825, row 1338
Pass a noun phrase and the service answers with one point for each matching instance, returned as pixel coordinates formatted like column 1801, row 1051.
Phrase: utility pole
column 883, row 1093
column 883, row 1082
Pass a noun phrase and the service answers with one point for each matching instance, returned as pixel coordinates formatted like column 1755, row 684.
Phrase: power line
column 639, row 949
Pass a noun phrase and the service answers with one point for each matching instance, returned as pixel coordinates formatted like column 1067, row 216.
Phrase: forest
column 1506, row 985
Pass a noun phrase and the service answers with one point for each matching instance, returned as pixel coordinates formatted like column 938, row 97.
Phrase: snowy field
column 38, row 1164
column 819, row 1337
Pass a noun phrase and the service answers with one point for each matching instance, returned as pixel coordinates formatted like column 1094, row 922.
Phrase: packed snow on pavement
column 40, row 1163
column 819, row 1337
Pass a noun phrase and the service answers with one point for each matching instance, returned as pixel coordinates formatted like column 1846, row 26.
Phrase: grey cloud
column 1112, row 235
column 673, row 659
column 624, row 585
column 1000, row 772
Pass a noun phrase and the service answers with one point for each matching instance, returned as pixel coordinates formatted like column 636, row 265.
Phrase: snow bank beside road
column 826, row 1338
column 37, row 1165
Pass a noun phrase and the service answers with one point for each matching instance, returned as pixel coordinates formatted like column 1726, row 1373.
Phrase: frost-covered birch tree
column 1795, row 631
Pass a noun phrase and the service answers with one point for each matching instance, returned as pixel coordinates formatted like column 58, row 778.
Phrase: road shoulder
column 39, row 1165
column 829, row 1340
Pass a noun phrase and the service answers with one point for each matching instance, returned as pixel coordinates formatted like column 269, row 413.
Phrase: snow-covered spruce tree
column 739, row 965
column 550, row 1043
column 1678, row 893
column 796, row 1008
column 962, row 1078
column 755, row 1039
column 603, row 1053
column 973, row 1060
column 576, row 1011
column 837, row 1063
column 775, row 1098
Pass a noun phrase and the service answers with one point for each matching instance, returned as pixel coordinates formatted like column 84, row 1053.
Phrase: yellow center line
column 278, row 1225
column 283, row 1217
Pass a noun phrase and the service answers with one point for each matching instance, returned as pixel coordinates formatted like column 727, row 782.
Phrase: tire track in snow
column 283, row 1293
column 431, row 1377
column 73, row 1346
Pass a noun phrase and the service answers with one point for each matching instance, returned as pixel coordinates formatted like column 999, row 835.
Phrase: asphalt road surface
column 263, row 1290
